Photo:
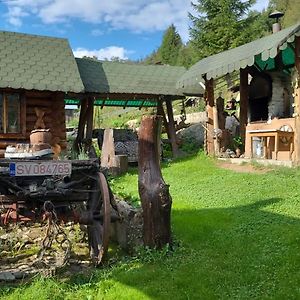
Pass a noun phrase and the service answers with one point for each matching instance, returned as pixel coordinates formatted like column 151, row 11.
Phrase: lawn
column 237, row 236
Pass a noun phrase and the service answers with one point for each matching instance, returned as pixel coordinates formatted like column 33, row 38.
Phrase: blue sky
column 108, row 28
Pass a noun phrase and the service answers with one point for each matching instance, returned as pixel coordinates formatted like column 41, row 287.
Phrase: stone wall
column 281, row 88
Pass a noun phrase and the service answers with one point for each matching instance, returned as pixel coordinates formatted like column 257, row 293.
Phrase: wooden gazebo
column 128, row 85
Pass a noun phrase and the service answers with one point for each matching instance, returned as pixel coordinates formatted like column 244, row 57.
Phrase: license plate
column 42, row 168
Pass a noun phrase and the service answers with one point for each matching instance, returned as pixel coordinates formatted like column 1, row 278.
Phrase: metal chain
column 54, row 232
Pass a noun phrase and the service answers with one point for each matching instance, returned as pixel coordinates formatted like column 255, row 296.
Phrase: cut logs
column 154, row 192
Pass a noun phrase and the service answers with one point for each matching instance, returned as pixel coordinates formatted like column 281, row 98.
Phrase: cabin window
column 10, row 107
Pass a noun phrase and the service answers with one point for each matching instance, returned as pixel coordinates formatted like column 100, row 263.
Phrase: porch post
column 172, row 130
column 297, row 101
column 244, row 96
column 161, row 112
column 209, row 140
column 90, row 119
column 81, row 125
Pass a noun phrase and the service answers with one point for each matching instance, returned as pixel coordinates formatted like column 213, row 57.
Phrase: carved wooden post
column 209, row 141
column 297, row 101
column 154, row 192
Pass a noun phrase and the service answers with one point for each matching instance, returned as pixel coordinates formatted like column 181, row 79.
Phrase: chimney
column 276, row 15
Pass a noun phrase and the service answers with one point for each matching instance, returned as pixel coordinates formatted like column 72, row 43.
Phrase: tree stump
column 154, row 192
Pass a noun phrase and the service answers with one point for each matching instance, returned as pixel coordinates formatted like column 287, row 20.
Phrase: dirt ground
column 242, row 168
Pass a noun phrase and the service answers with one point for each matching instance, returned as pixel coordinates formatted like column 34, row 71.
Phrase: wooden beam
column 90, row 119
column 297, row 101
column 209, row 140
column 172, row 129
column 161, row 112
column 81, row 125
column 244, row 102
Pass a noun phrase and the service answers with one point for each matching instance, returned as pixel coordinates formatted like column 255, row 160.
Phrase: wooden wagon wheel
column 98, row 231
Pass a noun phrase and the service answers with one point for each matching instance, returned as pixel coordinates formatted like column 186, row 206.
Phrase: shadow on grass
column 240, row 252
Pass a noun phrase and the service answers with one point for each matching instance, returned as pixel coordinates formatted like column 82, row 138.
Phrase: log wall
column 54, row 119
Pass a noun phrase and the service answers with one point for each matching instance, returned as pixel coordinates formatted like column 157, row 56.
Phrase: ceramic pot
column 40, row 136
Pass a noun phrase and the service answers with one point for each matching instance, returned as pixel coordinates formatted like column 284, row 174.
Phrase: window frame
column 22, row 117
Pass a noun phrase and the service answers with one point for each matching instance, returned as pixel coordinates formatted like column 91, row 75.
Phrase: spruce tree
column 170, row 47
column 219, row 25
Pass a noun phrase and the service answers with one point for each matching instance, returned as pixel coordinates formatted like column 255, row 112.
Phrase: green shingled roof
column 123, row 78
column 38, row 63
column 256, row 52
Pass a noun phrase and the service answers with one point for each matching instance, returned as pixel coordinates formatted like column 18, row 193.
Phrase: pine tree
column 169, row 50
column 170, row 47
column 219, row 25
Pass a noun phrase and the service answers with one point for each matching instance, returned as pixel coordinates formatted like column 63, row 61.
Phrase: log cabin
column 36, row 72
column 39, row 75
column 268, row 70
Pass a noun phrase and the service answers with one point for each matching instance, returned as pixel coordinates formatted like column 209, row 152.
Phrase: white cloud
column 137, row 16
column 15, row 15
column 134, row 15
column 103, row 54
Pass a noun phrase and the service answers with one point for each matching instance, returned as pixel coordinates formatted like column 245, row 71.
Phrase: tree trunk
column 154, row 192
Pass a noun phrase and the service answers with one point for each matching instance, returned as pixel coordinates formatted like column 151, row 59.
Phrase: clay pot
column 40, row 136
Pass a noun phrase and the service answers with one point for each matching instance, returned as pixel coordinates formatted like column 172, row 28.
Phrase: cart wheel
column 98, row 231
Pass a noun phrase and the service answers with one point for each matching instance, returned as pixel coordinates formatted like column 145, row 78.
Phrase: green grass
column 237, row 237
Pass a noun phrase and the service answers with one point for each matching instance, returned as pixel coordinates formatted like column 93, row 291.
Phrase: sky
column 127, row 29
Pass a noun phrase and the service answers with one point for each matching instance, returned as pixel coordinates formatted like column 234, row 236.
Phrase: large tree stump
column 154, row 192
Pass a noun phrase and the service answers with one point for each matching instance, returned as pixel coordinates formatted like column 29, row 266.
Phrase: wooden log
column 244, row 102
column 154, row 192
column 209, row 140
column 172, row 130
column 46, row 102
column 108, row 149
column 36, row 94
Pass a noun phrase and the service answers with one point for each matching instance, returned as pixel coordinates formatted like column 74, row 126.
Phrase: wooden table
column 272, row 133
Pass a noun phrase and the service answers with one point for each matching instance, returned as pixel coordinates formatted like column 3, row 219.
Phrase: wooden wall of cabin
column 54, row 119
